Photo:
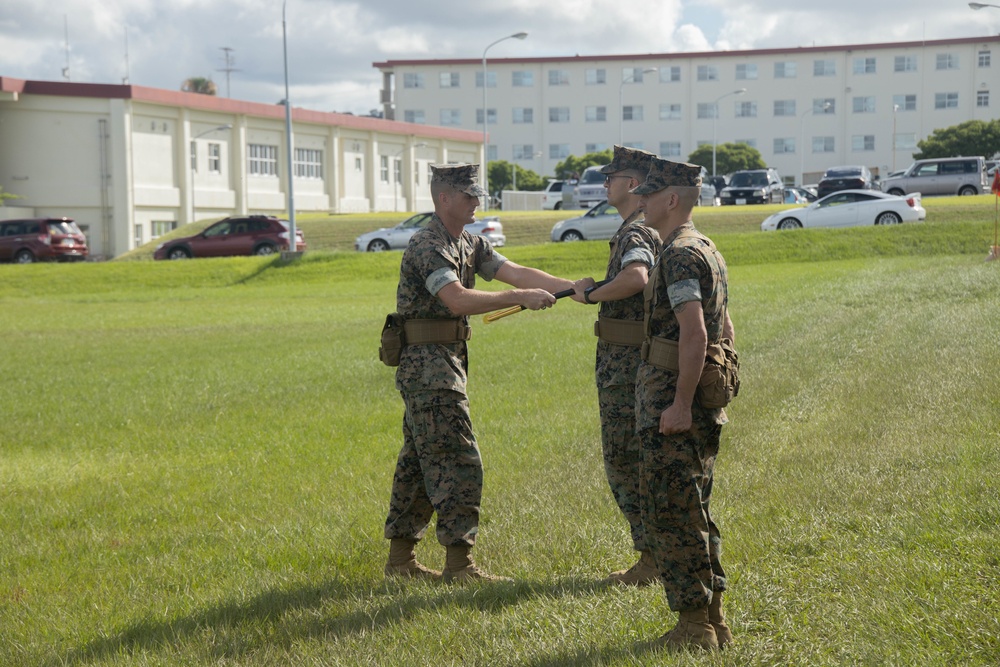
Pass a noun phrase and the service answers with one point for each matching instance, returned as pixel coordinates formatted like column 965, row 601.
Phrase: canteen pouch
column 393, row 340
column 720, row 377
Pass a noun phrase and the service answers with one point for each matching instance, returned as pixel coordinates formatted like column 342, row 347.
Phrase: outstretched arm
column 526, row 276
column 462, row 301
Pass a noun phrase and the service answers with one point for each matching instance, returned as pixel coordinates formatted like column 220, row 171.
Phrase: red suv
column 36, row 239
column 252, row 235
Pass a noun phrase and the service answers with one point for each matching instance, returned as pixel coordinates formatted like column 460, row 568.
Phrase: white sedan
column 850, row 208
column 397, row 238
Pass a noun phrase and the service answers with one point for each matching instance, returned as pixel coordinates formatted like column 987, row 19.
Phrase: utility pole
column 230, row 61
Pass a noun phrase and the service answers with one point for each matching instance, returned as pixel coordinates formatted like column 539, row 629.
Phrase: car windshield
column 841, row 172
column 591, row 177
column 744, row 180
column 416, row 222
column 63, row 227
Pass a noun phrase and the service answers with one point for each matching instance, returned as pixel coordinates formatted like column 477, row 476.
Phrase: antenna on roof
column 230, row 61
column 65, row 71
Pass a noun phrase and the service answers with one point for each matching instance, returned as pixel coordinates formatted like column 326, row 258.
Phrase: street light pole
column 621, row 101
column 715, row 121
column 486, row 149
column 227, row 126
column 292, row 241
column 802, row 139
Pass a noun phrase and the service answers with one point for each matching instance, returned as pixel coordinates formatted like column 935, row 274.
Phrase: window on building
column 397, row 169
column 308, row 163
column 138, row 235
column 746, row 71
column 864, row 104
column 784, row 107
column 194, row 156
column 358, row 164
column 824, row 68
column 215, row 157
column 864, row 65
column 492, row 155
column 904, row 102
column 595, row 114
column 670, row 148
column 824, row 105
column 752, row 143
column 262, row 160
column 670, row 74
column 945, row 100
column 632, row 112
column 414, row 116
column 558, row 151
column 946, row 61
column 160, row 227
column 451, row 117
column 523, row 115
column 413, row 80
column 491, row 79
column 523, row 151
column 491, row 116
column 449, row 79
column 746, row 110
column 984, row 58
column 670, row 112
column 707, row 110
column 784, row 145
column 906, row 141
column 785, row 70
column 863, row 142
column 823, row 144
column 904, row 64
column 558, row 77
column 632, row 74
column 522, row 79
column 384, row 168
column 982, row 98
column 634, row 144
column 595, row 77
column 708, row 73
column 558, row 114
column 595, row 148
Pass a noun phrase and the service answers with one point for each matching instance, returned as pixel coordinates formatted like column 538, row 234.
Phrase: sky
column 331, row 44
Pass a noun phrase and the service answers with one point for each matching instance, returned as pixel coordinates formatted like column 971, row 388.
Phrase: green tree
column 973, row 137
column 728, row 158
column 573, row 166
column 198, row 84
column 501, row 175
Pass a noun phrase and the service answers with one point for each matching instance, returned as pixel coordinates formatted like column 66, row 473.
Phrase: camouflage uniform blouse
column 689, row 269
column 433, row 259
column 633, row 242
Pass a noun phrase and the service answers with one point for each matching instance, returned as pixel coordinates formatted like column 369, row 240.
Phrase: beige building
column 130, row 163
column 804, row 109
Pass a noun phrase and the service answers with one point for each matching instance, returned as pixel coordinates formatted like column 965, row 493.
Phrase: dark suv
column 251, row 235
column 35, row 239
column 753, row 186
column 854, row 177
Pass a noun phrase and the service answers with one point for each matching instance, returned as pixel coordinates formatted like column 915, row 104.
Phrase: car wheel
column 264, row 249
column 557, row 206
column 24, row 257
column 888, row 218
column 378, row 245
column 897, row 192
column 571, row 235
column 968, row 191
column 179, row 253
column 789, row 223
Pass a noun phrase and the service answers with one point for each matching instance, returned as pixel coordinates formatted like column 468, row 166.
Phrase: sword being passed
column 497, row 314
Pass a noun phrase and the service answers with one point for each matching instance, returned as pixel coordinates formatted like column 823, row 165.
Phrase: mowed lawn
column 195, row 461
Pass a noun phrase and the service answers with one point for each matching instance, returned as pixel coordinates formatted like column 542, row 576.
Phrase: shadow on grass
column 244, row 627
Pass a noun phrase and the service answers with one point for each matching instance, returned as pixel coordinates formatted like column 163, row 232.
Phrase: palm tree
column 197, row 84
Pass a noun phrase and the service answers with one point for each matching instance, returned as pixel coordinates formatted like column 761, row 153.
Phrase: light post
column 399, row 174
column 486, row 148
column 227, row 126
column 802, row 139
column 621, row 102
column 292, row 240
column 715, row 120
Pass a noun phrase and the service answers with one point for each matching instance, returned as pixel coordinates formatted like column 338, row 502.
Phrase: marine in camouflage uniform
column 439, row 468
column 634, row 245
column 686, row 301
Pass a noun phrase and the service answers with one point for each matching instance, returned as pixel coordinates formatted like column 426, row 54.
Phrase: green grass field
column 195, row 462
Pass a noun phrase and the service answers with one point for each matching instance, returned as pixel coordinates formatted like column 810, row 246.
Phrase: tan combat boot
column 459, row 567
column 403, row 562
column 718, row 620
column 693, row 630
column 643, row 573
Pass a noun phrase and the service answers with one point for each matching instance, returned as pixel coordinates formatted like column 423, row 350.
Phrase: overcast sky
column 333, row 43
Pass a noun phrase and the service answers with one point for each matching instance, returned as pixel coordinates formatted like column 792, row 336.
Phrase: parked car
column 941, row 176
column 707, row 197
column 397, row 238
column 600, row 222
column 850, row 208
column 753, row 186
column 250, row 235
column 801, row 194
column 552, row 196
column 40, row 239
column 855, row 177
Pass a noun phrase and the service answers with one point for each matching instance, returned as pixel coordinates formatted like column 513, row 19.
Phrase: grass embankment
column 196, row 460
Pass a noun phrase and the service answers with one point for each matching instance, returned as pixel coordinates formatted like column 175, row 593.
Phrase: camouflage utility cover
column 664, row 173
column 462, row 177
column 628, row 158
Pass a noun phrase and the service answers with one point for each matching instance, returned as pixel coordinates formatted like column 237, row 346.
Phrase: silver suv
column 941, row 176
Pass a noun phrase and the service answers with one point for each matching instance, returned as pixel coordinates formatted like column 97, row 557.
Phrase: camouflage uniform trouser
column 438, row 470
column 676, row 490
column 623, row 455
